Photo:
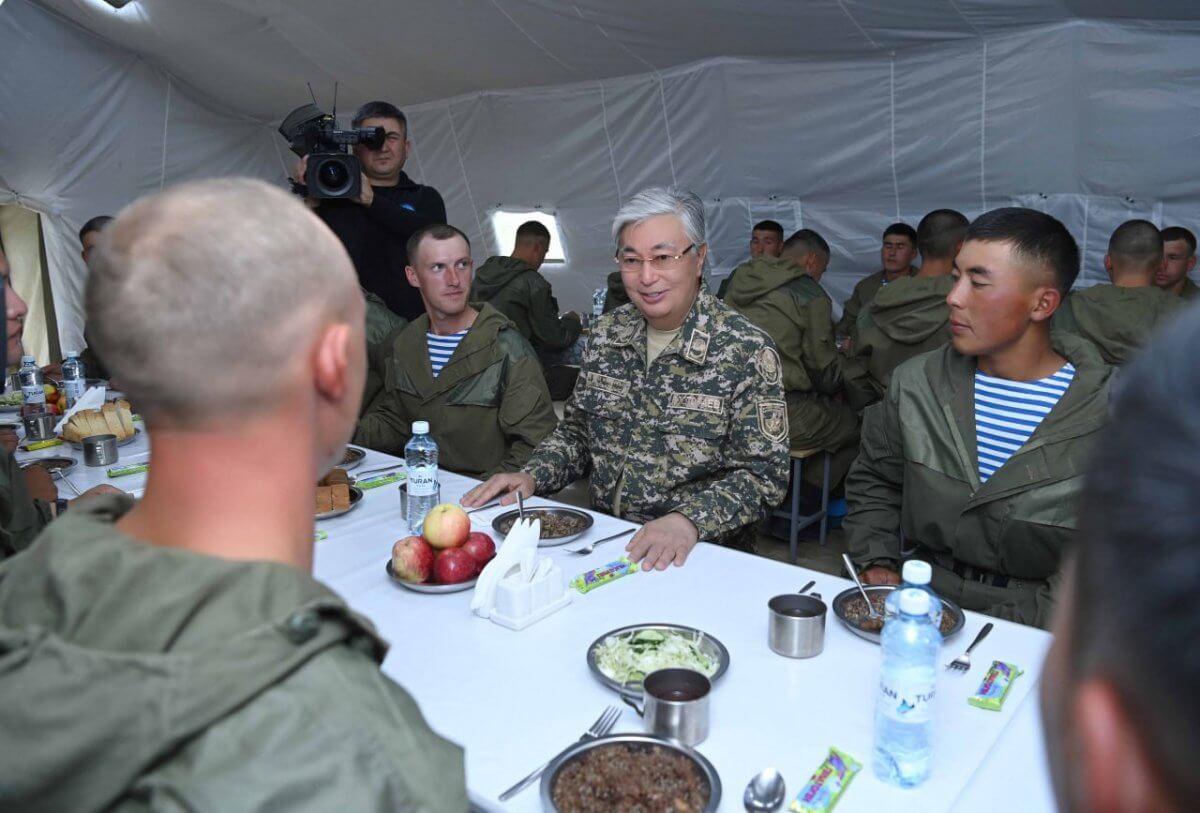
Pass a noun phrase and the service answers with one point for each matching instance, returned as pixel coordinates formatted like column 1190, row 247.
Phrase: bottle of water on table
column 74, row 379
column 916, row 574
column 421, row 457
column 907, row 685
column 32, row 392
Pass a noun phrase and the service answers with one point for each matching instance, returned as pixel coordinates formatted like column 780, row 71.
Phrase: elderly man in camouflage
column 679, row 412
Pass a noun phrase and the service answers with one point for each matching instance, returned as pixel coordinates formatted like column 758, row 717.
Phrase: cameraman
column 375, row 227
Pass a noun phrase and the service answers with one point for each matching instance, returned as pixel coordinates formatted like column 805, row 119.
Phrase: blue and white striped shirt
column 441, row 348
column 1008, row 412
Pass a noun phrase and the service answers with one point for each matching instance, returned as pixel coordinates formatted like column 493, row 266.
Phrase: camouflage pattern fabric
column 702, row 432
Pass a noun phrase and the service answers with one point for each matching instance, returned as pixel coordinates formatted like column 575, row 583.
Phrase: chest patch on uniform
column 697, row 347
column 604, row 383
column 768, row 365
column 772, row 419
column 696, row 402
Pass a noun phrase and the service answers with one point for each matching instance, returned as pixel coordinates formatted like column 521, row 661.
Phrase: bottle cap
column 420, row 427
column 914, row 601
column 28, row 359
column 72, row 354
column 917, row 572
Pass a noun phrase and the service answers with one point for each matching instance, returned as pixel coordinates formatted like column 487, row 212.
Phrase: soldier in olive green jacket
column 896, row 254
column 778, row 295
column 382, row 326
column 148, row 676
column 22, row 518
column 487, row 408
column 616, row 296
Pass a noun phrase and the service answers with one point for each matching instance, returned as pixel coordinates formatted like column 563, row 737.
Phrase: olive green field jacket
column 22, row 517
column 1117, row 320
column 518, row 291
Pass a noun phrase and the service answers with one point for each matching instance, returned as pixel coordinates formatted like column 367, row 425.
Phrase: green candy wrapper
column 135, row 468
column 612, row 571
column 995, row 686
column 827, row 784
column 381, row 480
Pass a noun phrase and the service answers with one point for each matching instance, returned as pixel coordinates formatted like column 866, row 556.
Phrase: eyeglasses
column 659, row 262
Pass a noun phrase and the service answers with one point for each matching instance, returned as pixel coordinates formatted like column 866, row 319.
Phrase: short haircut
column 1036, row 237
column 805, row 242
column 201, row 296
column 1172, row 233
column 1137, row 242
column 533, row 230
column 661, row 200
column 901, row 229
column 436, row 231
column 380, row 110
column 1137, row 565
column 940, row 233
column 768, row 225
column 99, row 222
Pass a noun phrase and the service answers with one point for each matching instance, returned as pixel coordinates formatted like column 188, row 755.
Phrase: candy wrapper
column 603, row 575
column 995, row 686
column 134, row 468
column 381, row 480
column 827, row 784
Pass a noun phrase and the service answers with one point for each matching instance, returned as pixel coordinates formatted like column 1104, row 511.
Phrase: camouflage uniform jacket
column 702, row 432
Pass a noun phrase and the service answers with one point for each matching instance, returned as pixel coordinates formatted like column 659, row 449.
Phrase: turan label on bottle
column 907, row 701
column 422, row 481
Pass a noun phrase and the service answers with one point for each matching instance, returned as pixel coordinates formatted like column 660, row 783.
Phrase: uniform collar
column 695, row 334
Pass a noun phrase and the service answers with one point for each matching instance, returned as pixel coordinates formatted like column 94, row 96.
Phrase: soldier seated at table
column 679, row 412
column 1119, row 706
column 1119, row 317
column 176, row 654
column 784, row 297
column 461, row 366
column 29, row 496
column 615, row 296
column 976, row 454
column 383, row 325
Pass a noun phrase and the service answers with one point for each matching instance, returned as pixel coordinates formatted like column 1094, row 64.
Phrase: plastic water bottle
column 33, row 392
column 598, row 297
column 421, row 457
column 916, row 574
column 907, row 685
column 74, row 379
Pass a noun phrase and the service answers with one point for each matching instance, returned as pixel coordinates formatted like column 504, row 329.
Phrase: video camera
column 333, row 171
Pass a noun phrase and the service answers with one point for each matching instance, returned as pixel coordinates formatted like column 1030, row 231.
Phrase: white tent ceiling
column 840, row 115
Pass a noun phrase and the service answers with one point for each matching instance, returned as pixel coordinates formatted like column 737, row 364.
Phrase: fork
column 599, row 728
column 963, row 662
column 591, row 546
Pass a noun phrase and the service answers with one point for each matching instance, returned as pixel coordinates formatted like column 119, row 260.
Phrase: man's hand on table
column 8, row 439
column 877, row 574
column 96, row 491
column 662, row 541
column 506, row 485
column 40, row 483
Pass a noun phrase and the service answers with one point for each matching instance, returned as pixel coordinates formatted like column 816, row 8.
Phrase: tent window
column 25, row 250
column 505, row 225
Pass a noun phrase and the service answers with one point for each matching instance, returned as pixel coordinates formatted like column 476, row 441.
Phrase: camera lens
column 333, row 176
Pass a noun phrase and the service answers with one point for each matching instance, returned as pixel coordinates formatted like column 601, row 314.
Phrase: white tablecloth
column 514, row 699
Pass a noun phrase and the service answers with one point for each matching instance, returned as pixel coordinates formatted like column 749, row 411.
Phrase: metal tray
column 430, row 588
column 63, row 465
column 557, row 511
column 356, row 495
column 75, row 444
column 708, row 644
column 573, row 752
column 839, row 609
column 351, row 458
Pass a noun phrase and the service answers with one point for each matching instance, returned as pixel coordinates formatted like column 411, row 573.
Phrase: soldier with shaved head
column 177, row 653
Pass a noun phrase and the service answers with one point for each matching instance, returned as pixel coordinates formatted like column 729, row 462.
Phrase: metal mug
column 675, row 705
column 99, row 450
column 796, row 625
column 39, row 425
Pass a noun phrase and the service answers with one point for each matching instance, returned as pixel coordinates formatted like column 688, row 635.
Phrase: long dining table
column 513, row 699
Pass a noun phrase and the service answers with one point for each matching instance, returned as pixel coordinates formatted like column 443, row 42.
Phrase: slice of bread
column 334, row 477
column 112, row 420
column 341, row 496
column 126, row 416
column 324, row 499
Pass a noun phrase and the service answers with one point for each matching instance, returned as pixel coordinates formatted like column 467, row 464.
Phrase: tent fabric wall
column 1092, row 120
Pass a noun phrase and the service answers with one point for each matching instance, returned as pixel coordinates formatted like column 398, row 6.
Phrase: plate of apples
column 446, row 557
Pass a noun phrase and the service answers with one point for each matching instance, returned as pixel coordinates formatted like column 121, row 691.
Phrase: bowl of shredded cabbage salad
column 622, row 658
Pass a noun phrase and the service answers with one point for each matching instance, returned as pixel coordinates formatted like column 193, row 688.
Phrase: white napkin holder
column 519, row 602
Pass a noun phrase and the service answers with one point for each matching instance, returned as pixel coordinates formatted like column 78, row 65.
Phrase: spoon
column 765, row 792
column 871, row 611
column 806, row 587
column 520, row 505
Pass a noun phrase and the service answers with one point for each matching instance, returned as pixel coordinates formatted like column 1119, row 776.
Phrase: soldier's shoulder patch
column 695, row 401
column 772, row 419
column 697, row 347
column 606, row 383
column 768, row 365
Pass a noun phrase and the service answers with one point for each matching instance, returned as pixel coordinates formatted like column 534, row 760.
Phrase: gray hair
column 661, row 200
column 201, row 298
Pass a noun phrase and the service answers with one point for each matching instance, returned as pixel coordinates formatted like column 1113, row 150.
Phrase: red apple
column 446, row 526
column 453, row 565
column 481, row 547
column 412, row 559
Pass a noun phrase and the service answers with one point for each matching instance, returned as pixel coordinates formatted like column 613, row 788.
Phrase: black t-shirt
column 375, row 237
